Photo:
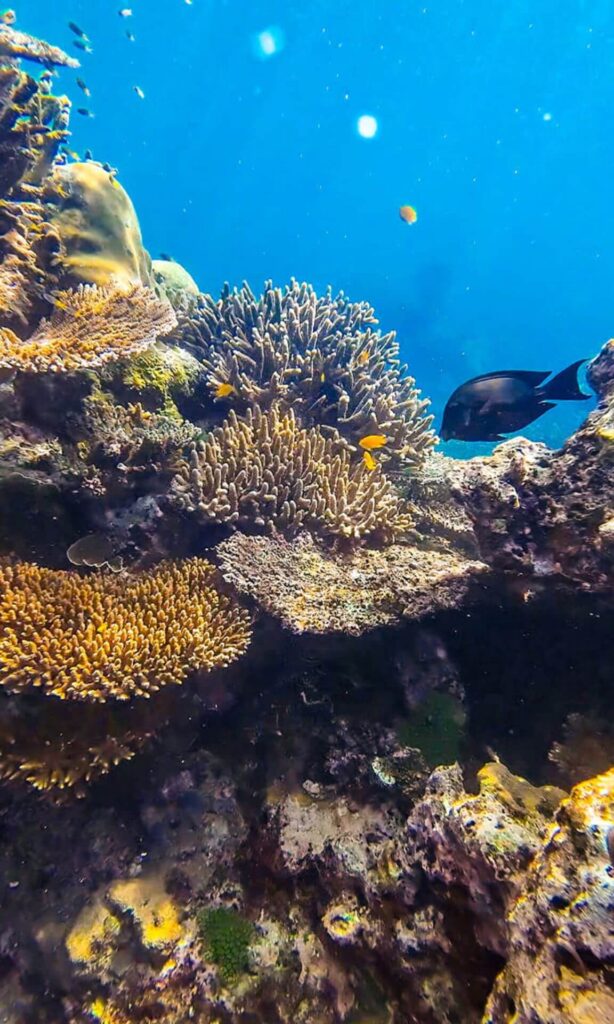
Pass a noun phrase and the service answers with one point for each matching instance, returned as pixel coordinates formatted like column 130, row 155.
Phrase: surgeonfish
column 486, row 407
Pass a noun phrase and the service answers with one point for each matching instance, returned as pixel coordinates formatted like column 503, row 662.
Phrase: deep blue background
column 248, row 168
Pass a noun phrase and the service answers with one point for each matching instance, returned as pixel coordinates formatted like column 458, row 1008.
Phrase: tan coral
column 89, row 327
column 317, row 354
column 312, row 590
column 264, row 470
column 100, row 637
column 98, row 229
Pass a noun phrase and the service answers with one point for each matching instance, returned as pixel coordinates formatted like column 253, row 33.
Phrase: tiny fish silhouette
column 499, row 403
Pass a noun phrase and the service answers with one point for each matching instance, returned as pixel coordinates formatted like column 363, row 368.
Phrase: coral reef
column 89, row 326
column 316, row 591
column 99, row 637
column 318, row 355
column 264, row 470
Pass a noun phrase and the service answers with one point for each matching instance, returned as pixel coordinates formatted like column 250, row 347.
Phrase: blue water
column 494, row 121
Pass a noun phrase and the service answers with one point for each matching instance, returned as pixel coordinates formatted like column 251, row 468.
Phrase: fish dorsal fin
column 531, row 377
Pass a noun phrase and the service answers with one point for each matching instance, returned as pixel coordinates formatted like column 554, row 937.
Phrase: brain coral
column 263, row 469
column 318, row 354
column 98, row 637
column 89, row 326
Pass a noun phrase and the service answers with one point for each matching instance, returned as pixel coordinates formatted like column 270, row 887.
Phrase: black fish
column 78, row 31
column 485, row 407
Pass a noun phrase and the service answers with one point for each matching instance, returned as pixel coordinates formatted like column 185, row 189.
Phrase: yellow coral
column 91, row 940
column 68, row 744
column 99, row 637
column 89, row 326
column 151, row 909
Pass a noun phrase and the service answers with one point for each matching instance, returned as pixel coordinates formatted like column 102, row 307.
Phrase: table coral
column 89, row 326
column 264, row 470
column 15, row 44
column 114, row 636
column 317, row 354
column 312, row 590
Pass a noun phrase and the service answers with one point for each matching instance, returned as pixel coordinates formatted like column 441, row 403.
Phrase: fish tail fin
column 565, row 387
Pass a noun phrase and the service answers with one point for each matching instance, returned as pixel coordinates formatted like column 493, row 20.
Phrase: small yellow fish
column 322, row 378
column 373, row 441
column 363, row 358
column 369, row 461
column 224, row 390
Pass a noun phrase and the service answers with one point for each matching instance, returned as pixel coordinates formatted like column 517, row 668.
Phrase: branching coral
column 319, row 355
column 63, row 745
column 264, row 470
column 99, row 637
column 89, row 326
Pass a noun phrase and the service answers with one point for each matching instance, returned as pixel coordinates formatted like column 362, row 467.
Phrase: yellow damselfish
column 224, row 390
column 368, row 460
column 373, row 441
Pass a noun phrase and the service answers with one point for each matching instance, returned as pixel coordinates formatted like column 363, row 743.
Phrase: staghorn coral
column 89, row 327
column 311, row 590
column 319, row 355
column 264, row 470
column 98, row 229
column 63, row 746
column 99, row 637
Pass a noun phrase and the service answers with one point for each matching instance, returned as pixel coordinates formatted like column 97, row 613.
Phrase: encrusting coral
column 264, row 470
column 102, row 637
column 89, row 326
column 317, row 354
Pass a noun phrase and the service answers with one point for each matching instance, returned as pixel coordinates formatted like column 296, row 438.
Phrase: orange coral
column 89, row 326
column 100, row 637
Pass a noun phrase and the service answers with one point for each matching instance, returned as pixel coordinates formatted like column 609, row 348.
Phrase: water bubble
column 269, row 42
column 367, row 126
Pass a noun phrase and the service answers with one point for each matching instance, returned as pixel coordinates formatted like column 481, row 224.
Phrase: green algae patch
column 436, row 729
column 225, row 937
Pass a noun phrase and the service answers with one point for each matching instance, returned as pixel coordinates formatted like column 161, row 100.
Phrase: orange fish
column 363, row 357
column 372, row 441
column 368, row 460
column 224, row 390
column 408, row 214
